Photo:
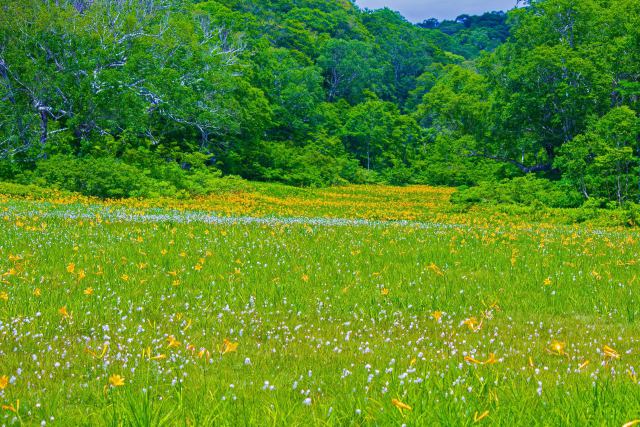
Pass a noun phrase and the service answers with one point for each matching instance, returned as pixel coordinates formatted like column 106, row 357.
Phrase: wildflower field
column 346, row 306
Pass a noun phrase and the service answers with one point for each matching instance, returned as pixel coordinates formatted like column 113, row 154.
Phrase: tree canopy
column 319, row 92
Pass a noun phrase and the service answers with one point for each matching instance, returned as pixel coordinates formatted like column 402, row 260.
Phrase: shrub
column 527, row 190
column 19, row 190
column 141, row 176
column 101, row 177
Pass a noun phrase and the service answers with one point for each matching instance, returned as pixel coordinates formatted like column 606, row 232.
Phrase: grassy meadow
column 343, row 306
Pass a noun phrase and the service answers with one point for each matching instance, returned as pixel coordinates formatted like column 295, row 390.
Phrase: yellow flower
column 125, row 277
column 384, row 292
column 473, row 324
column 436, row 269
column 116, row 380
column 557, row 348
column 470, row 359
column 228, row 347
column 479, row 417
column 437, row 315
column 4, row 382
column 81, row 274
column 11, row 407
column 64, row 312
column 400, row 405
column 4, row 296
column 71, row 267
column 583, row 365
column 88, row 291
column 93, row 354
column 491, row 360
column 172, row 342
column 11, row 272
column 610, row 353
column 37, row 292
column 547, row 281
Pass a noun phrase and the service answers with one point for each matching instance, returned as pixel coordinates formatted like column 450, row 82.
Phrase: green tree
column 379, row 136
column 350, row 67
column 602, row 162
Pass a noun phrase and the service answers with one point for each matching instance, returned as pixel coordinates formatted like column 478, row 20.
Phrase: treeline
column 474, row 34
column 309, row 92
column 143, row 97
column 559, row 99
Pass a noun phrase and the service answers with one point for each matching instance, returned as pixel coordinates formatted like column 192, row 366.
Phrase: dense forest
column 159, row 97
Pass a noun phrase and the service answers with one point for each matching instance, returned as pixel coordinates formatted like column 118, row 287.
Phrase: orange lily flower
column 400, row 405
column 228, row 347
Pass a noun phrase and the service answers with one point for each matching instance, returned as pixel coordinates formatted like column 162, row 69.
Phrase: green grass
column 306, row 304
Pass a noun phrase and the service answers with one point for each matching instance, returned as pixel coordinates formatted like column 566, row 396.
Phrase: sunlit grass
column 135, row 319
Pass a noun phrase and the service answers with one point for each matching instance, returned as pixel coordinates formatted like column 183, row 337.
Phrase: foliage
column 557, row 99
column 259, row 88
column 474, row 34
column 108, row 177
column 527, row 191
column 602, row 162
column 316, row 93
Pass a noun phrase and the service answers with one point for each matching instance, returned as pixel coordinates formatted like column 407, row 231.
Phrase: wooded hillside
column 122, row 97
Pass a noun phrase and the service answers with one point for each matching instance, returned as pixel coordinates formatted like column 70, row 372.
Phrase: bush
column 399, row 175
column 306, row 166
column 107, row 177
column 8, row 169
column 101, row 177
column 632, row 214
column 27, row 191
column 527, row 191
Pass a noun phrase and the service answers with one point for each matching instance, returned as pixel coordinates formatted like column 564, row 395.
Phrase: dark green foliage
column 557, row 99
column 108, row 177
column 102, row 177
column 267, row 90
column 528, row 191
column 474, row 34
column 601, row 162
column 119, row 99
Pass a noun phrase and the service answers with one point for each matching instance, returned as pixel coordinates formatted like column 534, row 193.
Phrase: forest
column 119, row 98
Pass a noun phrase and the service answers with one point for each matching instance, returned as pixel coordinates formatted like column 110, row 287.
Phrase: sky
column 419, row 10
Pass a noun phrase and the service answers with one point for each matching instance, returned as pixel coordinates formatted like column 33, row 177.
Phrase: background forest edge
column 116, row 99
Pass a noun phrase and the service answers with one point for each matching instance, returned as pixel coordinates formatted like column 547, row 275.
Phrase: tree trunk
column 44, row 126
column 368, row 154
